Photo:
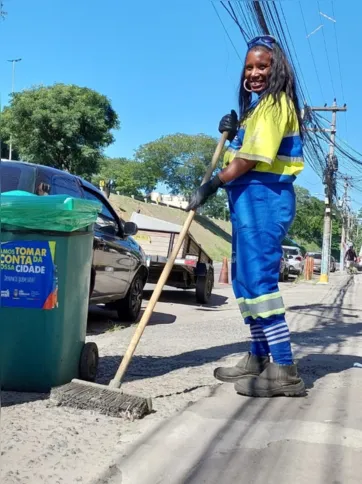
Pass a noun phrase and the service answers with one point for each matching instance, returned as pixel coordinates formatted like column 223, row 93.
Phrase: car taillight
column 298, row 258
column 191, row 260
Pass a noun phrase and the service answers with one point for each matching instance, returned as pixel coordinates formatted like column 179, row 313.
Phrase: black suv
column 119, row 268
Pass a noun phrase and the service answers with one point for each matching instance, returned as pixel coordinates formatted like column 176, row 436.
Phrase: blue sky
column 168, row 66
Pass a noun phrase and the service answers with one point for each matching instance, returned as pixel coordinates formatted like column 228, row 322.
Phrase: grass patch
column 213, row 235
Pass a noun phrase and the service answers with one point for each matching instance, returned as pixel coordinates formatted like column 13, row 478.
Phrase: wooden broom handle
column 117, row 380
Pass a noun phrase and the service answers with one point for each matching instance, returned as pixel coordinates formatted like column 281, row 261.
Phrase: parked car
column 359, row 263
column 119, row 268
column 317, row 256
column 295, row 259
column 284, row 268
column 333, row 264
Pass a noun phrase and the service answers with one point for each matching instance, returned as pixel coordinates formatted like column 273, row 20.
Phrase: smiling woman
column 262, row 161
column 257, row 70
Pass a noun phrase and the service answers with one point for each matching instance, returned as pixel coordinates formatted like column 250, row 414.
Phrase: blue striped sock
column 278, row 337
column 259, row 343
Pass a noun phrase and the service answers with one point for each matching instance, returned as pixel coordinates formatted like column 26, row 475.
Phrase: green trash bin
column 45, row 267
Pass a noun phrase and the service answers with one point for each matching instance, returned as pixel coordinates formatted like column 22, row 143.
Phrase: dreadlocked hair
column 281, row 80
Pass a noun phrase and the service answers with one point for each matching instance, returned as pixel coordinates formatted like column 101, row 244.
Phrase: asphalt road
column 225, row 438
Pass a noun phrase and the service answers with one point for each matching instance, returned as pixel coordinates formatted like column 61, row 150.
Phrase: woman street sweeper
column 262, row 161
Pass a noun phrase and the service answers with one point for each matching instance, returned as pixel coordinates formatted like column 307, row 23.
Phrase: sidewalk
column 229, row 439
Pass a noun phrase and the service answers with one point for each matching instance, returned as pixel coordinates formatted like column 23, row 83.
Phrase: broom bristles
column 101, row 399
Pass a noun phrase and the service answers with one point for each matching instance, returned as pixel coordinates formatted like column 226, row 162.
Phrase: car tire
column 92, row 282
column 129, row 308
column 88, row 363
column 204, row 285
column 281, row 277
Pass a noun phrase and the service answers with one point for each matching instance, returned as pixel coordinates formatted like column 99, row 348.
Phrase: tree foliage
column 309, row 221
column 130, row 177
column 217, row 206
column 178, row 160
column 64, row 126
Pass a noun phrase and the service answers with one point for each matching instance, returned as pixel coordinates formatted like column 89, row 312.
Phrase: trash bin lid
column 61, row 213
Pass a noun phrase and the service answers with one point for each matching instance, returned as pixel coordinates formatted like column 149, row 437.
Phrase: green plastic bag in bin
column 60, row 213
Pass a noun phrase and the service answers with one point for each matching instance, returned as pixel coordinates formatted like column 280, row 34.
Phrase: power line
column 310, row 48
column 226, row 32
column 327, row 56
column 246, row 13
column 296, row 56
column 338, row 56
column 339, row 63
column 231, row 12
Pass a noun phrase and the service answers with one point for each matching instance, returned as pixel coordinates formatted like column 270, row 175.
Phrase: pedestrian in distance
column 262, row 161
column 350, row 257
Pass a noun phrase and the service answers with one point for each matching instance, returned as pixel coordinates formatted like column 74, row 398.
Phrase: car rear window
column 316, row 256
column 65, row 185
column 15, row 177
column 291, row 251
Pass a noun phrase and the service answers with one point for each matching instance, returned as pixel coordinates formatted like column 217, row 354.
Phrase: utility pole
column 13, row 61
column 329, row 181
column 345, row 216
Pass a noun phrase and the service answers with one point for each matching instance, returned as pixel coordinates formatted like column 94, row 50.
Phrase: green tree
column 130, row 177
column 178, row 160
column 217, row 206
column 64, row 126
column 309, row 221
column 355, row 232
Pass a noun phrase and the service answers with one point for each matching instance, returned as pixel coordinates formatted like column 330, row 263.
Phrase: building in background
column 178, row 201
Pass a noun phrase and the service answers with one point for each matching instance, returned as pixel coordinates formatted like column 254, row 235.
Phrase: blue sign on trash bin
column 28, row 275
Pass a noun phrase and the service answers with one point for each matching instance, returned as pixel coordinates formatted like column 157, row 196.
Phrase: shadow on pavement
column 8, row 399
column 252, row 411
column 102, row 320
column 315, row 366
column 331, row 330
column 186, row 297
column 143, row 367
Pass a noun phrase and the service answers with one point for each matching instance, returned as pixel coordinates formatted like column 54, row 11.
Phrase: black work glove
column 203, row 193
column 229, row 123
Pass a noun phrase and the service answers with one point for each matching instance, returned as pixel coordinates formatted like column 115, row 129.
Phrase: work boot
column 249, row 365
column 275, row 380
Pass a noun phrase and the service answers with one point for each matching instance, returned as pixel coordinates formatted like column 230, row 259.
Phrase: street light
column 13, row 61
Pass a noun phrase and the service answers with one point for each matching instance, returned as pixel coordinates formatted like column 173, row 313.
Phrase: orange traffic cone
column 224, row 274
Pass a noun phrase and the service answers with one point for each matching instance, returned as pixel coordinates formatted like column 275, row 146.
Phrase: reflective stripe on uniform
column 262, row 306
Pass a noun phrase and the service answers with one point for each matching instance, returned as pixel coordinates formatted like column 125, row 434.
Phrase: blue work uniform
column 262, row 208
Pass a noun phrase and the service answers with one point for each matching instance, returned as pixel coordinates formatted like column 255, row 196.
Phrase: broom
column 111, row 400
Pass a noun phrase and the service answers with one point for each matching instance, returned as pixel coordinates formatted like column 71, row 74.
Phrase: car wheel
column 129, row 308
column 92, row 282
column 281, row 277
column 204, row 285
column 88, row 363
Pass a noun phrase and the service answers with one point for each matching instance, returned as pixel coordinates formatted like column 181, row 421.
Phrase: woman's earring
column 246, row 89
